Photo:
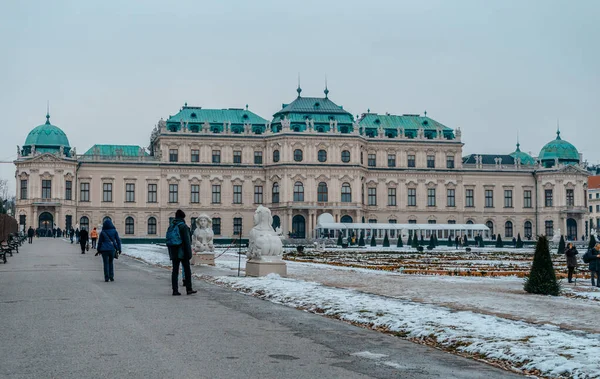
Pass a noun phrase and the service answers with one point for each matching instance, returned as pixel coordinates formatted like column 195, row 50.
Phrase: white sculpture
column 556, row 237
column 202, row 240
column 264, row 242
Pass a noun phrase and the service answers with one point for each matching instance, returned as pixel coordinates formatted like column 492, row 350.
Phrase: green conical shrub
column 561, row 245
column 431, row 244
column 499, row 242
column 466, row 241
column 415, row 241
column 542, row 278
column 435, row 240
column 373, row 243
column 339, row 240
column 480, row 243
column 592, row 242
column 519, row 241
column 422, row 241
column 399, row 244
column 386, row 240
column 361, row 240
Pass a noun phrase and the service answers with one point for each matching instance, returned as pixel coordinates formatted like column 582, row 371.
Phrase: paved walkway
column 61, row 320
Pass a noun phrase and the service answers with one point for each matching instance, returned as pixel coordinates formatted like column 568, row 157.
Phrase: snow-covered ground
column 489, row 318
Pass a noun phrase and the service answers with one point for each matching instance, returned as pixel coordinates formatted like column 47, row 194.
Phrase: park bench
column 13, row 243
column 5, row 248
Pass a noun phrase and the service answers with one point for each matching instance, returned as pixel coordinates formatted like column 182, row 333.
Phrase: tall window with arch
column 508, row 229
column 527, row 229
column 490, row 225
column 152, row 226
column 346, row 193
column 322, row 195
column 84, row 223
column 275, row 193
column 298, row 191
column 129, row 225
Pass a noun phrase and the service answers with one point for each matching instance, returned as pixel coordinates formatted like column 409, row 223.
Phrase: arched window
column 298, row 155
column 322, row 192
column 508, row 229
column 276, row 222
column 275, row 156
column 527, row 229
column 470, row 222
column 84, row 223
column 490, row 225
column 322, row 156
column 129, row 229
column 152, row 226
column 346, row 219
column 275, row 193
column 346, row 193
column 298, row 191
column 106, row 218
column 345, row 156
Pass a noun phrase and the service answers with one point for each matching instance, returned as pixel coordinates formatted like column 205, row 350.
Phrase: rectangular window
column 173, row 193
column 412, row 197
column 392, row 231
column 258, row 158
column 508, row 199
column 107, row 192
column 392, row 196
column 129, row 192
column 412, row 222
column 591, row 208
column 216, row 226
column 84, row 192
column 195, row 193
column 237, row 226
column 449, row 161
column 372, row 160
column 23, row 189
column 216, row 194
column 549, row 226
column 216, row 156
column 431, row 197
column 152, row 193
column 237, row 157
column 410, row 160
column 391, row 160
column 68, row 190
column 451, row 197
column 570, row 198
column 372, row 196
column 195, row 156
column 452, row 222
column 597, row 208
column 469, row 198
column 46, row 189
column 431, row 161
column 258, row 194
column 548, row 197
column 173, row 155
column 527, row 199
column 237, row 194
column 22, row 220
column 489, row 198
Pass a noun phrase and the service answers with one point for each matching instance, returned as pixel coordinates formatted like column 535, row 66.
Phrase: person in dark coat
column 109, row 244
column 594, row 264
column 181, row 254
column 456, row 241
column 71, row 233
column 30, row 234
column 83, row 239
column 77, row 235
column 571, row 254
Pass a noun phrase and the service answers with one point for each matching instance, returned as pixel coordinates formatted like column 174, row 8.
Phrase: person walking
column 77, row 235
column 179, row 243
column 30, row 234
column 594, row 263
column 109, row 245
column 456, row 241
column 71, row 233
column 94, row 237
column 571, row 254
column 83, row 239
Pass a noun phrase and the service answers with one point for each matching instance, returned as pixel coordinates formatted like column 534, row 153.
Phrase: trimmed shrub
column 361, row 240
column 399, row 244
column 499, row 242
column 386, row 240
column 373, row 243
column 339, row 240
column 415, row 241
column 431, row 242
column 561, row 245
column 592, row 242
column 422, row 241
column 466, row 241
column 410, row 240
column 519, row 241
column 481, row 244
column 542, row 278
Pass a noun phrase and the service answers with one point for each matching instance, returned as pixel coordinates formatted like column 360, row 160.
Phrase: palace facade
column 312, row 157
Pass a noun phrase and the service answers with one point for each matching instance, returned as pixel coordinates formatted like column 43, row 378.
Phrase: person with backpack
column 94, row 237
column 571, row 254
column 593, row 259
column 179, row 243
column 83, row 239
column 109, row 245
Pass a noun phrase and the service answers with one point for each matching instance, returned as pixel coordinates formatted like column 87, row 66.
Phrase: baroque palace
column 312, row 157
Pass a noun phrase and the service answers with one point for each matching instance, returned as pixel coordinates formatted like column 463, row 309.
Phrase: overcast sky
column 112, row 69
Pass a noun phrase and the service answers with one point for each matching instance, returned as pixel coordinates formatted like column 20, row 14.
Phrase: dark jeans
column 109, row 269
column 93, row 243
column 597, row 274
column 175, row 274
column 82, row 243
column 571, row 270
column 30, row 239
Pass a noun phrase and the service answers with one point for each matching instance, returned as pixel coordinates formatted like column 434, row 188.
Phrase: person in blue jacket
column 109, row 245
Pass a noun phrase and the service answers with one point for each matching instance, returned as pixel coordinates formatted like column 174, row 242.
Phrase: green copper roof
column 312, row 105
column 197, row 115
column 561, row 149
column 370, row 122
column 526, row 159
column 47, row 135
column 111, row 150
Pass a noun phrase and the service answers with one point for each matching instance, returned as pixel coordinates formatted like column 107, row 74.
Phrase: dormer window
column 193, row 115
column 245, row 117
column 377, row 122
column 317, row 105
column 425, row 122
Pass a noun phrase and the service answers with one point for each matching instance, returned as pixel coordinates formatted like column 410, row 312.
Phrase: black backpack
column 587, row 257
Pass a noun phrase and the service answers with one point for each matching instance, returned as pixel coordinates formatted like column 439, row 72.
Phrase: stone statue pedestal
column 203, row 259
column 264, row 267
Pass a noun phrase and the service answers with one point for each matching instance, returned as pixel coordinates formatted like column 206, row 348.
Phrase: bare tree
column 4, row 197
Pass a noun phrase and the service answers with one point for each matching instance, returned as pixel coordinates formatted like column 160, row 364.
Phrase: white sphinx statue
column 202, row 241
column 264, row 247
column 556, row 237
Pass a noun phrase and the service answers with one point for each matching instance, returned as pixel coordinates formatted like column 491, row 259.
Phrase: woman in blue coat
column 109, row 244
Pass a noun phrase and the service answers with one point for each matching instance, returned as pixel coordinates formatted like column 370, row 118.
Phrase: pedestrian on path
column 179, row 243
column 571, row 254
column 109, row 244
column 94, row 237
column 83, row 239
column 593, row 259
column 30, row 234
column 72, row 233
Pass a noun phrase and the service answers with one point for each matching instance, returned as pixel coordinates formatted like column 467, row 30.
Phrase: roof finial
column 368, row 110
column 246, row 106
column 48, row 112
column 326, row 90
column 518, row 144
column 299, row 90
column 557, row 129
column 425, row 113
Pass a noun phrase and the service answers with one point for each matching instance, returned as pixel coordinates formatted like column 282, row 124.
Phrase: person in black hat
column 179, row 243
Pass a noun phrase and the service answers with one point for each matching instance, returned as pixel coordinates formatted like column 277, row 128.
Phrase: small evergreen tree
column 466, row 241
column 481, row 244
column 386, row 240
column 361, row 240
column 399, row 244
column 561, row 245
column 592, row 242
column 422, row 241
column 415, row 241
column 373, row 243
column 431, row 242
column 542, row 278
column 410, row 240
column 499, row 242
column 519, row 241
column 339, row 240
column 435, row 240
column 450, row 241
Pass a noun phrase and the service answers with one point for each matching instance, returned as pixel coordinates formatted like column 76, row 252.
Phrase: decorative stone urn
column 264, row 247
column 202, row 242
